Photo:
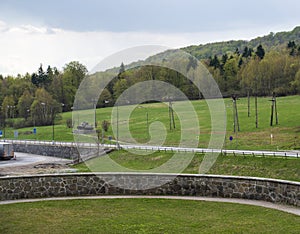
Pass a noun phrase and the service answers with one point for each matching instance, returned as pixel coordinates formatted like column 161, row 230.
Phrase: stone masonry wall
column 60, row 151
column 68, row 152
column 60, row 185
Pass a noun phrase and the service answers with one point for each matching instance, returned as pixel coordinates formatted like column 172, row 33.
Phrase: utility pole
column 236, row 125
column 248, row 96
column 94, row 100
column 53, row 130
column 256, row 112
column 256, row 107
column 273, row 109
column 171, row 116
column 117, row 126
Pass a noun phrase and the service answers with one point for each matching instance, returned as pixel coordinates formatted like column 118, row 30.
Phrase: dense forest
column 270, row 42
column 37, row 98
column 262, row 66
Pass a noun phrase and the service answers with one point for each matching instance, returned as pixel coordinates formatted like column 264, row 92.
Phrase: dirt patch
column 47, row 168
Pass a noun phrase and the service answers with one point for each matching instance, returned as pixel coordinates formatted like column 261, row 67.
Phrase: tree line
column 257, row 71
column 37, row 98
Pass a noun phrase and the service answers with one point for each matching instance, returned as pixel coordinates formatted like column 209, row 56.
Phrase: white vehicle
column 6, row 151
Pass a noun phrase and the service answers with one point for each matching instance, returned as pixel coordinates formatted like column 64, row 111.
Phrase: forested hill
column 262, row 66
column 273, row 41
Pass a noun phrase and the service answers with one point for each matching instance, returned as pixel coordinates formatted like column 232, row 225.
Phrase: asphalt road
column 23, row 159
column 33, row 164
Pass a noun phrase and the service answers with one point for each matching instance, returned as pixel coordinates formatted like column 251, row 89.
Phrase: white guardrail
column 263, row 153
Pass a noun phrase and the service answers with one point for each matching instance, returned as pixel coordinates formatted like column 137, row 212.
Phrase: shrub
column 69, row 123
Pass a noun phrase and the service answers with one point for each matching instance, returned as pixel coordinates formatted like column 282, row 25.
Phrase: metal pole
column 248, row 94
column 272, row 111
column 53, row 130
column 117, row 126
column 95, row 123
column 256, row 112
column 276, row 114
column 233, row 115
column 237, row 117
column 147, row 118
column 53, row 119
column 173, row 116
column 170, row 119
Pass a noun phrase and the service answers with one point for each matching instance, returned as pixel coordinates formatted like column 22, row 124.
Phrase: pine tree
column 224, row 58
column 122, row 68
column 260, row 52
column 245, row 52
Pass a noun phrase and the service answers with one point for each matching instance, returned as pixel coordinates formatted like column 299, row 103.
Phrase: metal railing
column 261, row 153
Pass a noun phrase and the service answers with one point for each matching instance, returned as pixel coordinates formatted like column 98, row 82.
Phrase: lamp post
column 102, row 132
column 53, row 116
column 3, row 115
column 75, row 111
column 94, row 100
column 117, row 126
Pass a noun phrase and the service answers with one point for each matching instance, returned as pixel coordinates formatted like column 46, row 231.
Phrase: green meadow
column 143, row 216
column 284, row 136
column 267, row 167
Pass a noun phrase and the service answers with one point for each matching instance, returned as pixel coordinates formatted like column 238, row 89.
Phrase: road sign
column 0, row 133
column 231, row 138
column 110, row 138
column 34, row 130
column 16, row 134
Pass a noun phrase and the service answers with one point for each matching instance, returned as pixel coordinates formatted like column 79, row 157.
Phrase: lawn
column 285, row 136
column 143, row 216
column 268, row 167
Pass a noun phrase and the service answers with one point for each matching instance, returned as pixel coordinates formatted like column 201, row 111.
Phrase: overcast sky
column 58, row 31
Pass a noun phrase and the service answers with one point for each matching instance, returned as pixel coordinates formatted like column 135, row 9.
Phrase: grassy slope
column 143, row 216
column 285, row 135
column 277, row 168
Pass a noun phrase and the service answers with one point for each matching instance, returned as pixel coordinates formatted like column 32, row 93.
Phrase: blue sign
column 110, row 138
column 1, row 133
column 16, row 134
column 231, row 138
column 34, row 130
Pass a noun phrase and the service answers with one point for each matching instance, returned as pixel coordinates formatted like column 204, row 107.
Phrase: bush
column 21, row 123
column 69, row 123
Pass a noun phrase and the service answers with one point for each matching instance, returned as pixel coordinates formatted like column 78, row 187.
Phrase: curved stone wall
column 80, row 184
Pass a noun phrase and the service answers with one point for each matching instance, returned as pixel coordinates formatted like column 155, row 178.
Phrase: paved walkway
column 288, row 209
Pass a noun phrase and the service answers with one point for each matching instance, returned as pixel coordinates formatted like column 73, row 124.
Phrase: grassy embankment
column 268, row 167
column 286, row 135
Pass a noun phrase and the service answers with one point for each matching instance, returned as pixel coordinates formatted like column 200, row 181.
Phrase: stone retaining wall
column 67, row 152
column 60, row 151
column 60, row 185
